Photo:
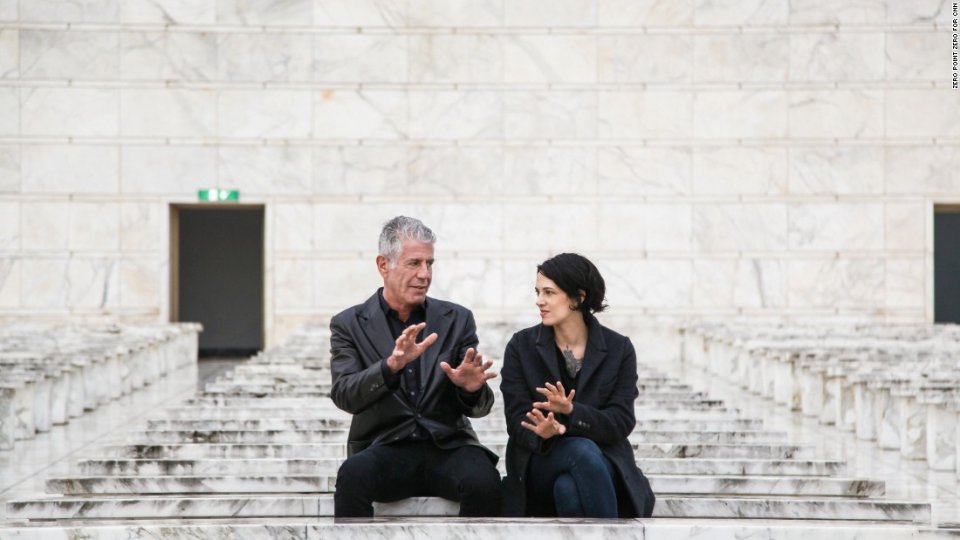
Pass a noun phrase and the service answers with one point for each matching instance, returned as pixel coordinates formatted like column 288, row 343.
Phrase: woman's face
column 554, row 304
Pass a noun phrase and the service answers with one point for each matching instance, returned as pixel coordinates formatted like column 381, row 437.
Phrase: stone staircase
column 257, row 453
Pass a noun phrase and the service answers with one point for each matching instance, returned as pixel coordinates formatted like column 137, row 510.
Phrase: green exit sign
column 219, row 195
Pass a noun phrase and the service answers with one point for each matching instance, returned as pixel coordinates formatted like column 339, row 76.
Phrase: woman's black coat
column 603, row 408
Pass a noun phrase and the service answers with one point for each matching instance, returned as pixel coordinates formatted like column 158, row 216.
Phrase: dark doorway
column 946, row 264
column 217, row 275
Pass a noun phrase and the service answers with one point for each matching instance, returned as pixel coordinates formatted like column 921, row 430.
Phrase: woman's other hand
column 544, row 426
column 558, row 400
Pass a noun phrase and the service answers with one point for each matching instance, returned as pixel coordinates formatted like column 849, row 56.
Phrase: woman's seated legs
column 577, row 477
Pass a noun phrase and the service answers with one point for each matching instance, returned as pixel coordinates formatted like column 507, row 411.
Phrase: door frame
column 174, row 277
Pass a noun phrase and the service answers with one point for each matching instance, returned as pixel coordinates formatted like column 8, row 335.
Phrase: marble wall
column 763, row 158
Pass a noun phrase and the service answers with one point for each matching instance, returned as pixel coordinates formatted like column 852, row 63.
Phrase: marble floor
column 24, row 470
column 905, row 479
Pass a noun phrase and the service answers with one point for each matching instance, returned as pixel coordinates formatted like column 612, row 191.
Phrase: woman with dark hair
column 569, row 386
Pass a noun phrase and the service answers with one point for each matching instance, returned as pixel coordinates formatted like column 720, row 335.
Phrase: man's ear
column 383, row 264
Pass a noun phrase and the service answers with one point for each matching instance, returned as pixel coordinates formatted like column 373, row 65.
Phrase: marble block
column 913, row 429
column 23, row 402
column 75, row 397
column 811, row 400
column 59, row 395
column 941, row 437
column 846, row 408
column 887, row 409
column 831, row 397
column 7, row 420
column 864, row 405
column 41, row 402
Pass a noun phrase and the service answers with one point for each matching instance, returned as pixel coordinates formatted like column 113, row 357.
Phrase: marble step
column 321, row 450
column 303, row 421
column 661, row 484
column 294, row 466
column 318, row 505
column 200, row 432
column 663, row 528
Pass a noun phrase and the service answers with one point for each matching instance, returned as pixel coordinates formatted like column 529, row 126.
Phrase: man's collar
column 387, row 310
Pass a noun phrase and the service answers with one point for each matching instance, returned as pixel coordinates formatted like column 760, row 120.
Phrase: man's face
column 405, row 284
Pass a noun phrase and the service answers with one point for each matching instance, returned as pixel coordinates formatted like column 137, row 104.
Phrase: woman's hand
column 558, row 400
column 544, row 426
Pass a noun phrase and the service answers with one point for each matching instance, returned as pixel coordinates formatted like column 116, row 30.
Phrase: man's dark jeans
column 417, row 469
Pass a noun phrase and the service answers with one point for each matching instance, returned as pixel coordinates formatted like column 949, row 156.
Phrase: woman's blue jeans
column 577, row 477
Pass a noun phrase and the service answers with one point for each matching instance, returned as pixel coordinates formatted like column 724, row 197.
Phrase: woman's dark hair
column 573, row 273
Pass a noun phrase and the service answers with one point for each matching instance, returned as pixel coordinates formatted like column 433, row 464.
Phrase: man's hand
column 407, row 349
column 472, row 373
column 558, row 400
column 544, row 426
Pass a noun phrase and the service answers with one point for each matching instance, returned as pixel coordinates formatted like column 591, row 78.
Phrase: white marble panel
column 70, row 169
column 140, row 228
column 264, row 113
column 740, row 114
column 456, row 13
column 668, row 227
column 519, row 279
column 836, row 170
column 922, row 169
column 836, row 283
column 180, row 170
column 73, row 11
column 648, row 283
column 550, row 171
column 837, row 113
column 293, row 283
column 9, row 282
column 358, row 13
column 92, row 283
column 912, row 56
column 69, row 111
column 464, row 227
column 265, row 12
column 10, row 160
column 549, row 228
column 445, row 170
column 187, row 56
column 906, row 283
column 94, row 226
column 633, row 170
column 837, row 57
column 456, row 115
column 741, row 12
column 69, row 54
column 269, row 57
column 9, row 10
column 9, row 226
column 44, row 283
column 654, row 114
column 644, row 58
column 9, row 53
column 354, row 227
column 550, row 114
column 741, row 57
column 439, row 58
column 341, row 283
column 9, row 111
column 916, row 12
column 347, row 114
column 922, row 113
column 293, row 226
column 840, row 12
column 905, row 224
column 169, row 11
column 370, row 58
column 725, row 283
column 140, row 283
column 836, row 226
column 638, row 13
column 740, row 227
column 280, row 170
column 474, row 283
column 622, row 227
column 551, row 13
column 151, row 112
column 740, row 170
column 360, row 170
column 549, row 58
column 43, row 227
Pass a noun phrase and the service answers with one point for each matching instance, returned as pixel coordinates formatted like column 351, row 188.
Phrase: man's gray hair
column 399, row 229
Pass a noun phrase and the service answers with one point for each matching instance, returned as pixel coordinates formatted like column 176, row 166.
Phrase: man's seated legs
column 466, row 475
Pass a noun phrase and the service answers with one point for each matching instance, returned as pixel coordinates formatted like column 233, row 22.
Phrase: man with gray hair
column 410, row 395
